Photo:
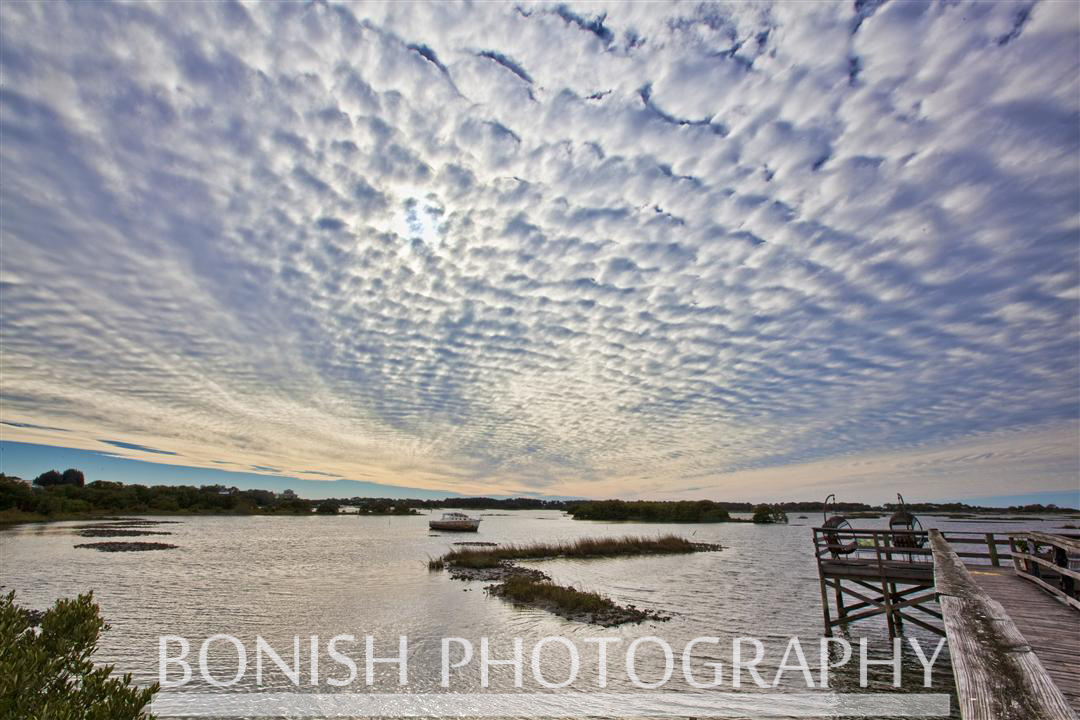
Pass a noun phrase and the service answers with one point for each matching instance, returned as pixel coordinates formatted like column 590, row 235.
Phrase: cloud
column 135, row 446
column 32, row 426
column 612, row 249
column 507, row 63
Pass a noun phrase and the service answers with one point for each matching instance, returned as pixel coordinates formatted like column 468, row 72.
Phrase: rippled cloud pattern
column 567, row 249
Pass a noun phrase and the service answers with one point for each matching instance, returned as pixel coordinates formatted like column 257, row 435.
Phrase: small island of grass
column 532, row 587
column 117, row 532
column 601, row 547
column 127, row 546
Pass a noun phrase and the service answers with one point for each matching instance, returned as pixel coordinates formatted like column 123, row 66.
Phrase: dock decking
column 1051, row 628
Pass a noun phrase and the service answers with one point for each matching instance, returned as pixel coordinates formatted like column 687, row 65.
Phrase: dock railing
column 1050, row 561
column 909, row 545
column 890, row 573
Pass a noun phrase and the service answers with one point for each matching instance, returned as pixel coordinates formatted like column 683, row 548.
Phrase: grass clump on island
column 525, row 589
column 569, row 602
column 490, row 557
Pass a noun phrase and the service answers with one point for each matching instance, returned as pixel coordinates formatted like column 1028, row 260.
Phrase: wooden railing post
column 824, row 592
column 1014, row 550
column 992, row 544
column 1061, row 559
column 898, row 619
column 886, row 595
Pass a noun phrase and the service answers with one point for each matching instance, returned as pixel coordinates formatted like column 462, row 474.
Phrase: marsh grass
column 523, row 589
column 472, row 557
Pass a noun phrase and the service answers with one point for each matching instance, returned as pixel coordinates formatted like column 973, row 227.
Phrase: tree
column 48, row 671
column 295, row 505
column 72, row 476
column 48, row 478
column 327, row 507
column 769, row 514
column 16, row 494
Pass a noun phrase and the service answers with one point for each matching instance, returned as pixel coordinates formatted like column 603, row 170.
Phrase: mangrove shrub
column 47, row 669
column 769, row 514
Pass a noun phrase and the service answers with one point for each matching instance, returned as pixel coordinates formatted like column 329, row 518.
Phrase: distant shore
column 54, row 498
column 15, row 517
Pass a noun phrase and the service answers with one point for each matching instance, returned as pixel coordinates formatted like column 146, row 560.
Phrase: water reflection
column 281, row 577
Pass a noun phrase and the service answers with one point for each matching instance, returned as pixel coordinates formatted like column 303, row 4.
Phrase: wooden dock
column 1012, row 618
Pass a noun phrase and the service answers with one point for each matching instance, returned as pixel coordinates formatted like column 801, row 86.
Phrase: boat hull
column 455, row 525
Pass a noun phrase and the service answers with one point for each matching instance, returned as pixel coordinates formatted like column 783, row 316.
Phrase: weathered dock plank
column 998, row 673
column 1050, row 627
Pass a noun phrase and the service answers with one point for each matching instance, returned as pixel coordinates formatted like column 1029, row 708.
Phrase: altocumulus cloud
column 633, row 248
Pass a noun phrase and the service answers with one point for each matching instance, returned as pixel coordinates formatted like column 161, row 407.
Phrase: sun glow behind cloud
column 666, row 249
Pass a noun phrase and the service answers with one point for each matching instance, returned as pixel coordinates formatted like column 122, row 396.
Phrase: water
column 280, row 577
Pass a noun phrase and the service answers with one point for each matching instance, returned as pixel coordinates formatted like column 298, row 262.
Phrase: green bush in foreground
column 47, row 671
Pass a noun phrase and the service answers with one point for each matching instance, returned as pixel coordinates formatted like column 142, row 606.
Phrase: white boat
column 455, row 521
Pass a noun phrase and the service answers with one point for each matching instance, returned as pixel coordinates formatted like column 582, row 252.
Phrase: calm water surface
column 279, row 577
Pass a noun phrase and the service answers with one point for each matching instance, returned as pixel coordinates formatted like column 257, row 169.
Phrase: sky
column 748, row 252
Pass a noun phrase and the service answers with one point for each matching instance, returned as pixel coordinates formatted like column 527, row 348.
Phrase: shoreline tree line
column 55, row 494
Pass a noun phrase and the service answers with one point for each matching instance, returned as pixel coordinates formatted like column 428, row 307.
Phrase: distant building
column 16, row 478
column 289, row 495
